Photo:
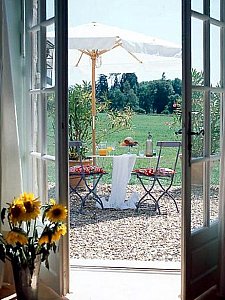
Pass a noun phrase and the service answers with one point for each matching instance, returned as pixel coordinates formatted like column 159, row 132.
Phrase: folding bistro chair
column 161, row 175
column 87, row 178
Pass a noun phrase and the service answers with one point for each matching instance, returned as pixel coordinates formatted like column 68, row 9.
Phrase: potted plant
column 80, row 118
column 26, row 243
column 80, row 122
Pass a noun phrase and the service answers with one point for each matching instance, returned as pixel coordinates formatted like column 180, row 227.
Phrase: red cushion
column 86, row 169
column 151, row 171
column 165, row 171
column 145, row 171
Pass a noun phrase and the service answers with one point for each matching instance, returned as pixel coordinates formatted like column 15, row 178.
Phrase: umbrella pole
column 93, row 106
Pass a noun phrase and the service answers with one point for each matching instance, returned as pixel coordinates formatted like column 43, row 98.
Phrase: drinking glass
column 102, row 149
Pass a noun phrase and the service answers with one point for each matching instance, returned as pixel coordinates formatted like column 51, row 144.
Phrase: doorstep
column 126, row 264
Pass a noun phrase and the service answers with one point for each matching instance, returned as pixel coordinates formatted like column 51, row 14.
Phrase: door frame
column 186, row 142
column 57, row 277
column 199, row 267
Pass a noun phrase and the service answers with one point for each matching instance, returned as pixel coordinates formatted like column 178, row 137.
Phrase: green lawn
column 141, row 125
column 157, row 125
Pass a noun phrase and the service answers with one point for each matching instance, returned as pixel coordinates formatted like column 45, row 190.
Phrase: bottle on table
column 149, row 146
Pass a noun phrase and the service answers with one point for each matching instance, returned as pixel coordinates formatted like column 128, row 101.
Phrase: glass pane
column 196, row 199
column 51, row 179
column 197, row 123
column 36, row 179
column 35, row 61
column 35, row 122
column 35, row 13
column 214, row 190
column 197, row 46
column 215, row 55
column 50, row 9
column 197, row 5
column 215, row 9
column 50, row 56
column 51, row 124
column 215, row 104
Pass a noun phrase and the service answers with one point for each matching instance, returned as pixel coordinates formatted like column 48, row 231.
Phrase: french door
column 45, row 49
column 203, row 96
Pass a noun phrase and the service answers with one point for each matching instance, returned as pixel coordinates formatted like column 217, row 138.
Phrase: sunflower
column 14, row 237
column 57, row 213
column 61, row 230
column 32, row 206
column 44, row 239
column 16, row 211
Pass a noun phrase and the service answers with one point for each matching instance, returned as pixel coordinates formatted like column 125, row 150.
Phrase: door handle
column 201, row 131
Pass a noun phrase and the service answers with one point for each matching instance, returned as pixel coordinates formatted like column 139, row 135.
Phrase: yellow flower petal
column 32, row 207
column 56, row 236
column 52, row 201
column 62, row 229
column 14, row 237
column 16, row 211
column 44, row 239
column 57, row 213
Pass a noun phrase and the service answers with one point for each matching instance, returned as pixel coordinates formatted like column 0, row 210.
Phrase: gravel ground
column 130, row 235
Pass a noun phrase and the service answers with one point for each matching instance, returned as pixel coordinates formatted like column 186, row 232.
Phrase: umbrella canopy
column 103, row 38
column 95, row 40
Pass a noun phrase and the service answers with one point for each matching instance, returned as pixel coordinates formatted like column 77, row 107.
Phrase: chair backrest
column 75, row 144
column 176, row 145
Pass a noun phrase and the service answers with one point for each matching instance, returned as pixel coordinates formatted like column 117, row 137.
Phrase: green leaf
column 2, row 252
column 3, row 215
column 54, row 247
column 47, row 263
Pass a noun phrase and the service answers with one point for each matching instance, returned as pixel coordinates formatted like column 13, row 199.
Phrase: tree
column 146, row 94
column 117, row 99
column 163, row 95
column 131, row 78
column 177, row 86
column 102, row 88
column 114, row 77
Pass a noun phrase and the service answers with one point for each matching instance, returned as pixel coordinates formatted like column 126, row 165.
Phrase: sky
column 161, row 18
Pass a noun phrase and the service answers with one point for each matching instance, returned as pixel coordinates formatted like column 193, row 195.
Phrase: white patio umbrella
column 96, row 40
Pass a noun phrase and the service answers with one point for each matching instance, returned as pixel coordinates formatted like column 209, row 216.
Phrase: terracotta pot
column 75, row 179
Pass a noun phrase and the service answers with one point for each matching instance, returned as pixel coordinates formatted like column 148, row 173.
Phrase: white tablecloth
column 121, row 174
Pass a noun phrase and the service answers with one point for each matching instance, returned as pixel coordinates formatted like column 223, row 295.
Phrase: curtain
column 11, row 179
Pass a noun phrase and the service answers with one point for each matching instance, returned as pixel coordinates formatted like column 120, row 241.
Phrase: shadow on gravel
column 93, row 215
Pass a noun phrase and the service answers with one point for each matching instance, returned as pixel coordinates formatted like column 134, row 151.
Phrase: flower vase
column 26, row 280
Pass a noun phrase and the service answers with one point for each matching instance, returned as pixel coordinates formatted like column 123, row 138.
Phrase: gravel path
column 130, row 235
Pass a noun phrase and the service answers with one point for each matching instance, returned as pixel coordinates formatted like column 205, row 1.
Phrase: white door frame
column 58, row 275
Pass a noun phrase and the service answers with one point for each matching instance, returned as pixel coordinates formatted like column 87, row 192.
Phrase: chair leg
column 82, row 199
column 147, row 193
column 166, row 192
column 144, row 199
column 90, row 190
